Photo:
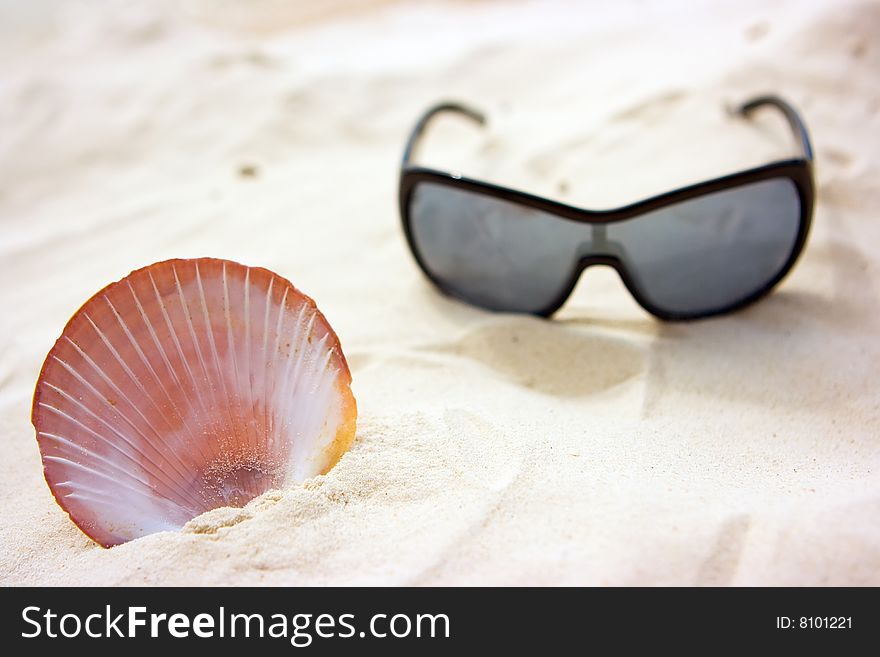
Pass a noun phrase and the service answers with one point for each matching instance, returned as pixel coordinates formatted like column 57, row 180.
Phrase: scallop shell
column 186, row 386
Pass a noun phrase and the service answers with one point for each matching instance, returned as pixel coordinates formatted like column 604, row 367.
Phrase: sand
column 603, row 447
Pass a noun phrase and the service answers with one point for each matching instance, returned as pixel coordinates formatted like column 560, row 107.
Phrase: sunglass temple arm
column 794, row 120
column 422, row 124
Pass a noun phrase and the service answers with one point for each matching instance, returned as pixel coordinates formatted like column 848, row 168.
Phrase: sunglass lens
column 491, row 252
column 712, row 252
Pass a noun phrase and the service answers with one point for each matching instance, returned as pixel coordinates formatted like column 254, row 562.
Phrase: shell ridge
column 265, row 356
column 192, row 415
column 225, row 404
column 202, row 417
column 273, row 359
column 119, row 391
column 309, row 391
column 212, row 446
column 108, row 500
column 312, row 384
column 91, row 454
column 230, row 342
column 195, row 341
column 131, row 375
column 234, row 397
column 280, row 374
column 145, row 361
column 68, row 463
column 184, row 419
column 175, row 338
column 302, row 384
column 78, row 488
column 209, row 330
column 151, row 329
column 325, row 390
column 296, row 347
column 94, row 433
column 248, row 346
column 120, row 507
column 133, row 425
column 100, row 437
column 73, row 447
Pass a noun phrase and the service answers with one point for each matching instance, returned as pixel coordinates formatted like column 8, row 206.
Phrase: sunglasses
column 702, row 250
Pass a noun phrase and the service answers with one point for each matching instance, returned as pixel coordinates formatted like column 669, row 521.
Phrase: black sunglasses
column 701, row 250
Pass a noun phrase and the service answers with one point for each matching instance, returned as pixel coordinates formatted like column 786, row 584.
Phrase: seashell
column 186, row 386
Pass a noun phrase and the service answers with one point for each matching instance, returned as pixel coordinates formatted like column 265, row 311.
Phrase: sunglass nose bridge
column 597, row 244
column 598, row 249
column 600, row 238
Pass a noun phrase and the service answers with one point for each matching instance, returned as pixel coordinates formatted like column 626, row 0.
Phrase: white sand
column 600, row 448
